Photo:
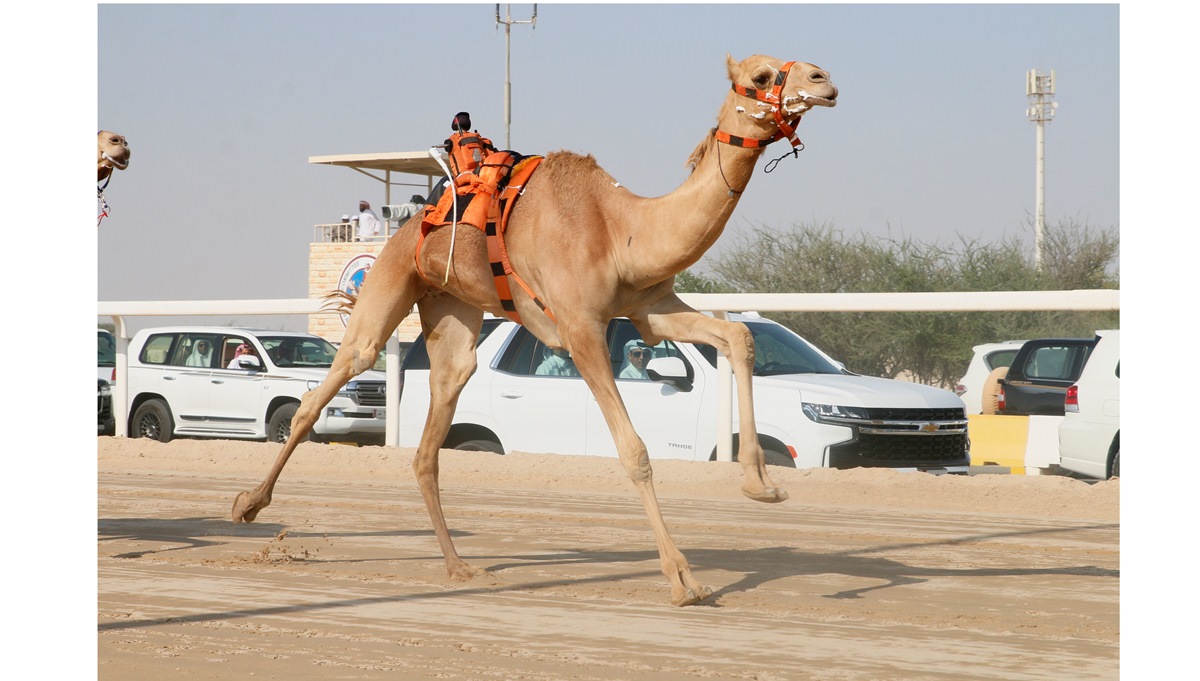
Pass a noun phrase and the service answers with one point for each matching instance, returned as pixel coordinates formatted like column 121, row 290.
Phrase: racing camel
column 112, row 154
column 590, row 250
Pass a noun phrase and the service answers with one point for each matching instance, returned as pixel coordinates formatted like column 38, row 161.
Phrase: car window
column 1056, row 362
column 106, row 349
column 778, row 350
column 157, row 349
column 299, row 351
column 196, row 350
column 528, row 356
column 629, row 354
column 999, row 358
column 229, row 346
column 418, row 358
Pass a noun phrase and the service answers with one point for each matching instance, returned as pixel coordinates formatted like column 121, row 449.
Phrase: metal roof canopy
column 407, row 162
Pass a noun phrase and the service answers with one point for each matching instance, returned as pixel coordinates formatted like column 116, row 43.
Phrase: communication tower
column 508, row 22
column 1039, row 88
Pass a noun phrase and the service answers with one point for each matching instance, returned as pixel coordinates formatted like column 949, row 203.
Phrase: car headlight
column 834, row 413
column 105, row 390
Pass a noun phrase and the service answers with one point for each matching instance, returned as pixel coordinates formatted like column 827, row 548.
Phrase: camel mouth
column 118, row 164
column 803, row 101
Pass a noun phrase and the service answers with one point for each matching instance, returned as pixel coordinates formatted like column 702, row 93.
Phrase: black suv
column 1042, row 370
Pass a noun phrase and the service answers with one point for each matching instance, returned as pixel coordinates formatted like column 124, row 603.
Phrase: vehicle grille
column 104, row 408
column 370, row 393
column 900, row 451
column 923, row 414
column 897, row 439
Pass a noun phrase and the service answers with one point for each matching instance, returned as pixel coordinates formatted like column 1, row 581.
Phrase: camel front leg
column 591, row 358
column 673, row 319
column 450, row 327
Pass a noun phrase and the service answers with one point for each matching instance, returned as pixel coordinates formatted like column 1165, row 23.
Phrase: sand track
column 860, row 575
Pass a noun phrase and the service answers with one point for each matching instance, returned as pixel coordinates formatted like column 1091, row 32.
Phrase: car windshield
column 299, row 351
column 777, row 350
column 106, row 349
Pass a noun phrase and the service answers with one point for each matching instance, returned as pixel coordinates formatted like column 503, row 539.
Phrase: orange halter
column 774, row 97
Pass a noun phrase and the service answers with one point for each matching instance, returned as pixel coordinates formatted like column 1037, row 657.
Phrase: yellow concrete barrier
column 999, row 441
column 1028, row 445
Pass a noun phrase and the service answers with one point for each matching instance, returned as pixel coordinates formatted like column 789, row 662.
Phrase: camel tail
column 341, row 302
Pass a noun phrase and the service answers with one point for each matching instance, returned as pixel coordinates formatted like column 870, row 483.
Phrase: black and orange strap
column 774, row 97
column 497, row 252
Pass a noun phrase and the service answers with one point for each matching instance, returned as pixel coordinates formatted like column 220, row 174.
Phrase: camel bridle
column 786, row 130
column 774, row 97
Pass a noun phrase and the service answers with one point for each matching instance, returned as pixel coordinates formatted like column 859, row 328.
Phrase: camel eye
column 762, row 79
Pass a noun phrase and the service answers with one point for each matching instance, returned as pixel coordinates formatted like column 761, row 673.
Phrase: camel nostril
column 818, row 76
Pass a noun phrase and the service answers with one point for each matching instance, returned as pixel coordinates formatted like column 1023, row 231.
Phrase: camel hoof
column 465, row 573
column 767, row 495
column 692, row 597
column 243, row 510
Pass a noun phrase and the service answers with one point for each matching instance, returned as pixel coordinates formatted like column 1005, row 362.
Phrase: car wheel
column 1114, row 466
column 773, row 457
column 152, row 420
column 279, row 428
column 990, row 402
column 479, row 446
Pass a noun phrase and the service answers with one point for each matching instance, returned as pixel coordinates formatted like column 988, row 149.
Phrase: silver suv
column 204, row 381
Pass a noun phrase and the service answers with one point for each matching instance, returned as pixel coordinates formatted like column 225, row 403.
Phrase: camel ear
column 732, row 66
column 698, row 153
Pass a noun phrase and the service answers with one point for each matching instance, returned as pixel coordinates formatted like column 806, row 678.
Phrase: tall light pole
column 508, row 23
column 1039, row 88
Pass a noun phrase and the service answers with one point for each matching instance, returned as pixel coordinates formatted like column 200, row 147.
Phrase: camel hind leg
column 450, row 327
column 385, row 300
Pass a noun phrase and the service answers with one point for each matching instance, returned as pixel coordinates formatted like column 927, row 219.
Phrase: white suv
column 986, row 358
column 243, row 383
column 1089, row 437
column 810, row 411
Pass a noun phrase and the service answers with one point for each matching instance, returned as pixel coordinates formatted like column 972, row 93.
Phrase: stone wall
column 328, row 265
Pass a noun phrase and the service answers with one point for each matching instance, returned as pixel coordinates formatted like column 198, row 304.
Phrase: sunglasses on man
column 640, row 353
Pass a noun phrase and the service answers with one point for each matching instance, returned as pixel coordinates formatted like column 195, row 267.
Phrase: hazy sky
column 223, row 105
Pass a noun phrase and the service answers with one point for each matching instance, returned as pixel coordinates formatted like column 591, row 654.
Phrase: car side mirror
column 670, row 370
column 250, row 363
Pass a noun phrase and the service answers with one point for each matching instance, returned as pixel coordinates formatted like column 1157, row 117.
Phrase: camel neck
column 681, row 226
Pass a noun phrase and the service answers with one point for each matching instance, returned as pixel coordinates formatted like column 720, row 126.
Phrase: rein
column 101, row 199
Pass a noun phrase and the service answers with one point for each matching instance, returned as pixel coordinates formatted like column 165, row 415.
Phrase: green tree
column 932, row 347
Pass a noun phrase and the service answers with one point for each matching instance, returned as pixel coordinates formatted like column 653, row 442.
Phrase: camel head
column 773, row 99
column 112, row 153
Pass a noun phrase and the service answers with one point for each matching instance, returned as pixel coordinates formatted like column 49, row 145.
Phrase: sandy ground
column 861, row 575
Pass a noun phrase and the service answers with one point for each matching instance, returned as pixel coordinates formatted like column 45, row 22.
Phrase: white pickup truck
column 218, row 381
column 810, row 411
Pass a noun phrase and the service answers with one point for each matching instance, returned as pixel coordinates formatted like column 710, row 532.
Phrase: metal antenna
column 508, row 23
column 1039, row 88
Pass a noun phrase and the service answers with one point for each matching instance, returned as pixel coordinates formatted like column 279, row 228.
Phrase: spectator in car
column 283, row 354
column 201, row 355
column 245, row 349
column 556, row 362
column 637, row 354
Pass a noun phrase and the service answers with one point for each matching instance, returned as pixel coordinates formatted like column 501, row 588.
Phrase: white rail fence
column 717, row 303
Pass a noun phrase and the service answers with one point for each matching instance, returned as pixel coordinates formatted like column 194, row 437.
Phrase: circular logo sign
column 353, row 276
